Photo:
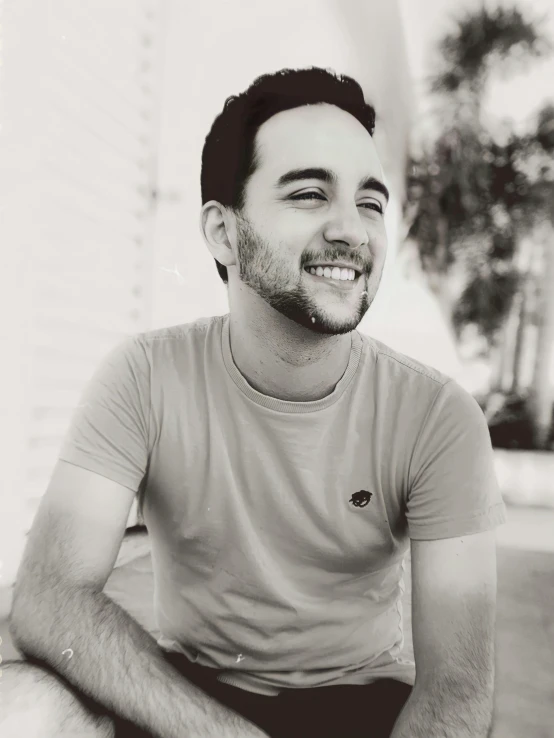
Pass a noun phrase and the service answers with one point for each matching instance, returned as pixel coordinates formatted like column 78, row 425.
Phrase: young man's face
column 293, row 218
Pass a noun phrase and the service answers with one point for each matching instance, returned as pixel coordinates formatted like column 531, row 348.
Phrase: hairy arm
column 453, row 622
column 117, row 663
column 59, row 604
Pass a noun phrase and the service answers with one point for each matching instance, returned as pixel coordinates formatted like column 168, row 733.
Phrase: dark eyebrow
column 370, row 183
column 312, row 173
column 325, row 175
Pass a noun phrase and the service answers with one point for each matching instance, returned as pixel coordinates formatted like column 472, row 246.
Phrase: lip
column 344, row 285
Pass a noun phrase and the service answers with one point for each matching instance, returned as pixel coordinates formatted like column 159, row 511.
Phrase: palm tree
column 476, row 201
column 541, row 397
column 521, row 316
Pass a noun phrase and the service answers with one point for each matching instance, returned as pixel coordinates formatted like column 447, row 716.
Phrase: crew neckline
column 289, row 406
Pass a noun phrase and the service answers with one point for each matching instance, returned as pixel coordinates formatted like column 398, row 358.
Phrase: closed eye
column 372, row 206
column 307, row 196
column 318, row 196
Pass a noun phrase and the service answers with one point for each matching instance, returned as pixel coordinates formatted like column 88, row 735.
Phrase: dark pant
column 344, row 711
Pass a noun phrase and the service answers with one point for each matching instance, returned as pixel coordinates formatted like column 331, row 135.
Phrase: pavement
column 524, row 695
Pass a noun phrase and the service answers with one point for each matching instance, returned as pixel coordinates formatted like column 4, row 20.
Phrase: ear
column 219, row 230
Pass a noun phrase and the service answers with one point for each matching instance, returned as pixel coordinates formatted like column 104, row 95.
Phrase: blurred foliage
column 481, row 41
column 487, row 299
column 545, row 129
column 474, row 196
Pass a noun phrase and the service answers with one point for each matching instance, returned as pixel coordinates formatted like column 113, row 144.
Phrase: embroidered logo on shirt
column 361, row 498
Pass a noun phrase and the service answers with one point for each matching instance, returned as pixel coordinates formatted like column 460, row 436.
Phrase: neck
column 282, row 359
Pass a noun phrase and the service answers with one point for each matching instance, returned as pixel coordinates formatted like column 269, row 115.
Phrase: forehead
column 316, row 135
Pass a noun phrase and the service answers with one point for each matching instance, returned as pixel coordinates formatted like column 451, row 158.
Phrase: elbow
column 28, row 620
column 20, row 622
column 469, row 701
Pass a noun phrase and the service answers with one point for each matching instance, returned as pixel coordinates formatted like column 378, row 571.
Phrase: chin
column 328, row 324
column 329, row 328
column 326, row 330
column 323, row 323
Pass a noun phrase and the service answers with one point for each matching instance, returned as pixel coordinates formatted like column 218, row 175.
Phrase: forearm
column 445, row 710
column 117, row 663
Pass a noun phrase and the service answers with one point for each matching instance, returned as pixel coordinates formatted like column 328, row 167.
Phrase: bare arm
column 59, row 604
column 454, row 609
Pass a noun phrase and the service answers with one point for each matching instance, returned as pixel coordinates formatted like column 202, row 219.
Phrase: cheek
column 379, row 241
column 295, row 232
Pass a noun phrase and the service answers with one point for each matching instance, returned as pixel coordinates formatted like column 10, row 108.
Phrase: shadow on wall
column 510, row 422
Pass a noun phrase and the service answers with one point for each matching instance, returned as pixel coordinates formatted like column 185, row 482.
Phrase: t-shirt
column 279, row 530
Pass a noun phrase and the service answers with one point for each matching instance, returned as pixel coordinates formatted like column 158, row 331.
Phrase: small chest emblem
column 361, row 498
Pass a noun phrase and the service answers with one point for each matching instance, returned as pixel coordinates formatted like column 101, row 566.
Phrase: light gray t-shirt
column 279, row 529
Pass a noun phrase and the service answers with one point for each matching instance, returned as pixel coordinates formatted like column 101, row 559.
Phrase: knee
column 38, row 704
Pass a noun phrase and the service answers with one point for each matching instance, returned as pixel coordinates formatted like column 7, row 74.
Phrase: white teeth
column 344, row 275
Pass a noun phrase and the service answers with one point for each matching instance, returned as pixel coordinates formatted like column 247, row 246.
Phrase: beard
column 286, row 291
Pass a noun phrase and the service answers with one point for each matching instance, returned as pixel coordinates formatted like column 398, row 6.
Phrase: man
column 284, row 464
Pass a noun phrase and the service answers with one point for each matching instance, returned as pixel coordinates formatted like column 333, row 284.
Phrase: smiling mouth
column 331, row 269
column 342, row 284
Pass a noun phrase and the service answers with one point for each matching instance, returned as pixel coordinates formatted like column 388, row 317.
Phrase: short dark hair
column 229, row 158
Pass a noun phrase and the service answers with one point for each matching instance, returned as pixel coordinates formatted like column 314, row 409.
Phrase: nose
column 346, row 226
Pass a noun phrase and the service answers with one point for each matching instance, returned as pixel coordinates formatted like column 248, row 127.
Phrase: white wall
column 78, row 136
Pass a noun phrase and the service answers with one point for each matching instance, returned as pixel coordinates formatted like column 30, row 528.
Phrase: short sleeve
column 453, row 489
column 109, row 430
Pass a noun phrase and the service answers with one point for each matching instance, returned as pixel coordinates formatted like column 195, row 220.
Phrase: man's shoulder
column 180, row 331
column 400, row 367
column 422, row 389
column 182, row 345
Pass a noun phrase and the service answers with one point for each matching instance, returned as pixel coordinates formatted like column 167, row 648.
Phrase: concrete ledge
column 526, row 477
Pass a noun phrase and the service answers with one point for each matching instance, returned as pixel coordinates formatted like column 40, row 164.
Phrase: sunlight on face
column 315, row 197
